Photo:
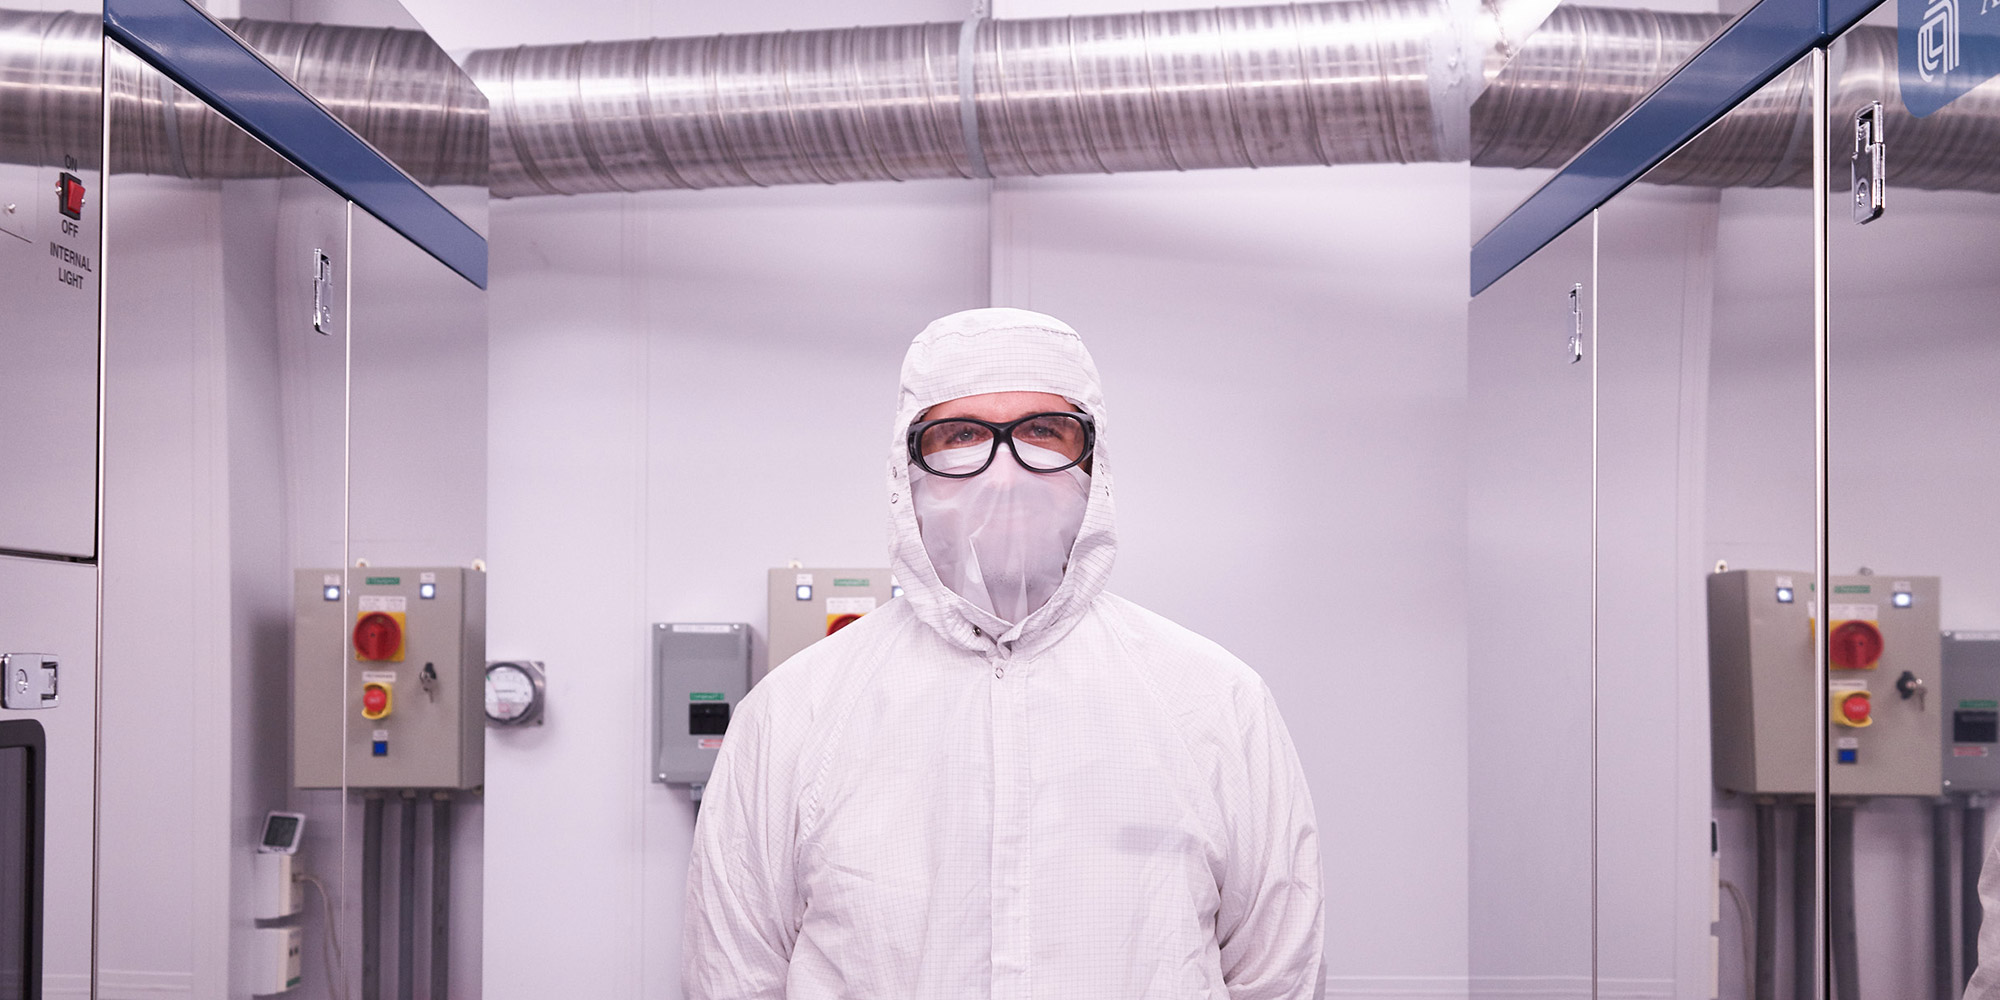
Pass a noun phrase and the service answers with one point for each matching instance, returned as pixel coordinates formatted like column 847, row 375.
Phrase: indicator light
column 332, row 593
column 805, row 592
column 427, row 591
column 1903, row 599
column 1784, row 595
column 1847, row 755
column 895, row 591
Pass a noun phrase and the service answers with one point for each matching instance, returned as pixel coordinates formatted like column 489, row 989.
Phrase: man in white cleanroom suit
column 1007, row 783
column 1985, row 984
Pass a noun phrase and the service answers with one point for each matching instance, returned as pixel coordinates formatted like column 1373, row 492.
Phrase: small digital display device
column 281, row 833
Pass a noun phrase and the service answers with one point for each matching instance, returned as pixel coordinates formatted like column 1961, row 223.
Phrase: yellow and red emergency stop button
column 378, row 636
column 1853, row 709
column 376, row 700
column 1855, row 644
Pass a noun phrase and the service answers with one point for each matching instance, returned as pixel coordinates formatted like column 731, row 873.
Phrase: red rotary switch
column 1855, row 645
column 378, row 636
column 835, row 623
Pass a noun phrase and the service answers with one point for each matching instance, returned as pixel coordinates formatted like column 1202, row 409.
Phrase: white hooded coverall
column 935, row 804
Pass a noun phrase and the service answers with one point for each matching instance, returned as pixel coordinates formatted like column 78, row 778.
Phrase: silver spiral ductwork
column 1363, row 81
column 49, row 97
column 1317, row 83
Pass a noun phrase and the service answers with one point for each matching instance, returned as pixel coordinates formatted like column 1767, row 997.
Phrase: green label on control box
column 1851, row 588
column 1978, row 703
column 385, row 581
column 850, row 581
column 706, row 696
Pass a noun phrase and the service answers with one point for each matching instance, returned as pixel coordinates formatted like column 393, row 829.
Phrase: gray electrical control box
column 701, row 671
column 1883, row 715
column 808, row 605
column 388, row 678
column 1972, row 712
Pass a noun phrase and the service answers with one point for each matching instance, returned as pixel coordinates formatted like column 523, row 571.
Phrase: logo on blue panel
column 1945, row 49
column 1937, row 40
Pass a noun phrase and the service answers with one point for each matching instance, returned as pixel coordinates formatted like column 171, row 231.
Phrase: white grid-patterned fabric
column 1985, row 984
column 932, row 804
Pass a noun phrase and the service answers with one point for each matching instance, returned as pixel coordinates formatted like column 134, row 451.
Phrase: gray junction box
column 1972, row 712
column 1763, row 705
column 428, row 671
column 701, row 671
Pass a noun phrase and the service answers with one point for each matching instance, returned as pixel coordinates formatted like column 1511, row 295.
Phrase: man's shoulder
column 837, row 662
column 1171, row 652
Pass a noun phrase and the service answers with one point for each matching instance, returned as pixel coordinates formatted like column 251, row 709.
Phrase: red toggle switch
column 69, row 196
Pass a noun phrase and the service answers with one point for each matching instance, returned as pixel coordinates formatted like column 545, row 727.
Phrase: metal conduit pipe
column 1944, row 973
column 1805, row 894
column 1971, row 861
column 1361, row 81
column 1764, row 980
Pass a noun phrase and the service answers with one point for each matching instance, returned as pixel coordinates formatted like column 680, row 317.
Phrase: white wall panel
column 1285, row 367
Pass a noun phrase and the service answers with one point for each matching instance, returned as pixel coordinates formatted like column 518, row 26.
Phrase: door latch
column 29, row 679
column 322, row 292
column 1868, row 165
column 1576, row 323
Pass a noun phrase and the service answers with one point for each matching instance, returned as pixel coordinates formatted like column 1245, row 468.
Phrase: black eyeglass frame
column 1002, row 432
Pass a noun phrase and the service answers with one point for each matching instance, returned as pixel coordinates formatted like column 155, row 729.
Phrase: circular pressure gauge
column 515, row 692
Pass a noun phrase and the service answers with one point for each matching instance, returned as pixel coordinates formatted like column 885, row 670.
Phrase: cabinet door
column 1913, row 428
column 1528, row 617
column 51, row 207
column 225, row 477
column 1705, row 457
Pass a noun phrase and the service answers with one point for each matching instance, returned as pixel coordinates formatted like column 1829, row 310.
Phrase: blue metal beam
column 181, row 41
column 1756, row 47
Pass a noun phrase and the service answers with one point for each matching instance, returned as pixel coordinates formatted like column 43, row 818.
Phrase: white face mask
column 1000, row 539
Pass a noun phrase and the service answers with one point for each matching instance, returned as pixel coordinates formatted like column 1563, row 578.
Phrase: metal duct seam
column 968, row 107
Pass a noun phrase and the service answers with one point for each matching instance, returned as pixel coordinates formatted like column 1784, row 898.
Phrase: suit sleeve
column 1271, row 921
column 743, row 906
column 1985, row 984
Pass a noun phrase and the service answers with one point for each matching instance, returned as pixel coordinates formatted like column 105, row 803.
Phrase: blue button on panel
column 1847, row 755
column 382, row 748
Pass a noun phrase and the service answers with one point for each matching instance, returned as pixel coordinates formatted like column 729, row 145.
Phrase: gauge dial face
column 511, row 694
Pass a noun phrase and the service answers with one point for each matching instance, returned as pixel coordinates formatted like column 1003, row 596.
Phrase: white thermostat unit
column 282, row 832
column 515, row 692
